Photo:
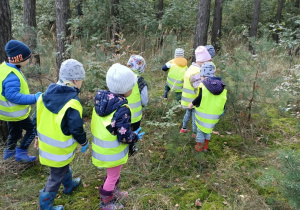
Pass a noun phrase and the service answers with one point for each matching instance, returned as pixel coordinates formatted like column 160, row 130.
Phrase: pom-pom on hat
column 211, row 50
column 137, row 64
column 207, row 70
column 179, row 53
column 201, row 54
column 120, row 79
column 71, row 69
column 17, row 51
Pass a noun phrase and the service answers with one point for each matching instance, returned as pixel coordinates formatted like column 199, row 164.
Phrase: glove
column 140, row 135
column 37, row 95
column 84, row 148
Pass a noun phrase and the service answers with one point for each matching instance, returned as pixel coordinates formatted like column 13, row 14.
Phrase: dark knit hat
column 17, row 51
column 211, row 50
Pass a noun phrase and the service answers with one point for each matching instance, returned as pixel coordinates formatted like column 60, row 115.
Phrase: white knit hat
column 179, row 53
column 71, row 69
column 120, row 79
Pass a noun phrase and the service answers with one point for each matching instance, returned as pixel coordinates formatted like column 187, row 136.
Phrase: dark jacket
column 54, row 99
column 106, row 103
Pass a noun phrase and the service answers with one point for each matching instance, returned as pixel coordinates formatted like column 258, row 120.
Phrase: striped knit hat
column 179, row 53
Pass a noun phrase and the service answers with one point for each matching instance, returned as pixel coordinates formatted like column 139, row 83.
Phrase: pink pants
column 113, row 174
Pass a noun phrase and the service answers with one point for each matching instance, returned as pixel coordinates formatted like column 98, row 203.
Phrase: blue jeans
column 201, row 136
column 189, row 113
column 15, row 133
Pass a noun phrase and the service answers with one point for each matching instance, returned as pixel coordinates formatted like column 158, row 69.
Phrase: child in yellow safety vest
column 176, row 68
column 111, row 130
column 209, row 104
column 190, row 86
column 60, row 129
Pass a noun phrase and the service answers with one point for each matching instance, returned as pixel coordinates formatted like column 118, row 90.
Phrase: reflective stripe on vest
column 210, row 109
column 55, row 148
column 10, row 111
column 175, row 77
column 107, row 151
column 189, row 93
column 135, row 104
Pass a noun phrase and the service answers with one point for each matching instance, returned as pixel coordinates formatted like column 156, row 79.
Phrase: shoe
column 120, row 195
column 22, row 156
column 46, row 200
column 108, row 200
column 8, row 154
column 205, row 148
column 198, row 147
column 69, row 183
column 194, row 135
column 184, row 130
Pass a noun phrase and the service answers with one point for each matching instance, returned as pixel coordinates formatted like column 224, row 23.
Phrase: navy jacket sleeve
column 73, row 124
column 121, row 125
column 11, row 91
column 196, row 102
column 165, row 68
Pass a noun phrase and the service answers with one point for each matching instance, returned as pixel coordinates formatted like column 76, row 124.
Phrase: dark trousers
column 55, row 179
column 135, row 126
column 177, row 94
column 15, row 133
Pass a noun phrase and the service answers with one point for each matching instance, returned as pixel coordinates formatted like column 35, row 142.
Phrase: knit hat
column 214, row 84
column 207, row 70
column 137, row 64
column 120, row 79
column 202, row 54
column 17, row 51
column 211, row 50
column 179, row 53
column 71, row 69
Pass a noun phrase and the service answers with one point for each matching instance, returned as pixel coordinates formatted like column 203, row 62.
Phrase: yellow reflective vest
column 189, row 93
column 10, row 111
column 210, row 109
column 135, row 104
column 176, row 77
column 107, row 151
column 55, row 148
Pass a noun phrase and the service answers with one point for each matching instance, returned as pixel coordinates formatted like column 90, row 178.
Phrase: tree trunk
column 29, row 18
column 278, row 20
column 202, row 23
column 160, row 39
column 217, row 24
column 5, row 36
column 115, row 28
column 255, row 20
column 63, row 14
column 160, row 9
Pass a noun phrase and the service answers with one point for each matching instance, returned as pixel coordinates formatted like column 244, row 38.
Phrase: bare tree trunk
column 5, row 36
column 29, row 19
column 63, row 14
column 255, row 20
column 115, row 28
column 202, row 23
column 278, row 19
column 160, row 39
column 217, row 24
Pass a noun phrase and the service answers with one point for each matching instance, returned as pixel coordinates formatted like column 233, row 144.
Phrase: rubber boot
column 69, row 183
column 108, row 200
column 198, row 147
column 8, row 154
column 120, row 195
column 166, row 94
column 205, row 148
column 46, row 201
column 22, row 156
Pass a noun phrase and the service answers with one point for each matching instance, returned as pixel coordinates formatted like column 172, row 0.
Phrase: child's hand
column 36, row 142
column 190, row 106
column 140, row 135
column 84, row 148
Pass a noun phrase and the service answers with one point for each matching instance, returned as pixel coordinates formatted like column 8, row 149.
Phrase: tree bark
column 255, row 20
column 5, row 36
column 29, row 19
column 217, row 24
column 115, row 28
column 63, row 32
column 202, row 23
column 278, row 19
column 160, row 39
column 160, row 9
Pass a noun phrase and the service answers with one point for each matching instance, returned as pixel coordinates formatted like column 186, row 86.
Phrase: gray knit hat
column 120, row 79
column 207, row 70
column 71, row 70
column 211, row 50
column 179, row 53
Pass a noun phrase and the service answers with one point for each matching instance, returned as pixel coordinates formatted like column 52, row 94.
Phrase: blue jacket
column 106, row 103
column 54, row 99
column 11, row 89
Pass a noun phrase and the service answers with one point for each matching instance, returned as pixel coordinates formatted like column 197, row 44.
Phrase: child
column 177, row 68
column 15, row 101
column 111, row 122
column 209, row 104
column 60, row 129
column 189, row 92
column 139, row 95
